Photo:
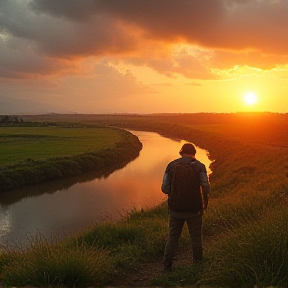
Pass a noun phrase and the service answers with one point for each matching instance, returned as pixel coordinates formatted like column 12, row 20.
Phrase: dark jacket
column 198, row 167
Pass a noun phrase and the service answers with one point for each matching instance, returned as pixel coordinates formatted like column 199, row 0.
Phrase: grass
column 245, row 238
column 54, row 263
column 254, row 254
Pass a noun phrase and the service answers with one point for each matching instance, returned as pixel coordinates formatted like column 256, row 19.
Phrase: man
column 191, row 211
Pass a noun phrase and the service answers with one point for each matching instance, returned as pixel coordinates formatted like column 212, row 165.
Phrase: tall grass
column 139, row 236
column 54, row 263
column 254, row 254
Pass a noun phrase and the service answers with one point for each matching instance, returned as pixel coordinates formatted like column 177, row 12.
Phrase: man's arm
column 166, row 186
column 205, row 185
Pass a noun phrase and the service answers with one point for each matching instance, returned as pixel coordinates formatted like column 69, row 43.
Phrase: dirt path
column 143, row 273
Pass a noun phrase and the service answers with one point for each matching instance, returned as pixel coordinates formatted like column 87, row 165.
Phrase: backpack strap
column 192, row 164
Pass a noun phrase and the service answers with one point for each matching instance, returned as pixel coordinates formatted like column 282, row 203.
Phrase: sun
column 250, row 98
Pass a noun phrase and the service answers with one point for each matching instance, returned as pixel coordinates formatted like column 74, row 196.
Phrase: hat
column 188, row 148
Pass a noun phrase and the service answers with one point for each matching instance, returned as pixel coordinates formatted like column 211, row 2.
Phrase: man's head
column 188, row 149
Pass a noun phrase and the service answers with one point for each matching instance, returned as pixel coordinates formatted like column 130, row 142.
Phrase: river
column 69, row 205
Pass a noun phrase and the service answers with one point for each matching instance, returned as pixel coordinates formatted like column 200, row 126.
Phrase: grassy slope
column 244, row 227
column 249, row 185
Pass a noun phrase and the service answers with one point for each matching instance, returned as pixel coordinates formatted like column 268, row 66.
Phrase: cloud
column 50, row 36
column 119, row 85
column 228, row 24
column 19, row 60
column 104, row 89
column 227, row 59
column 190, row 62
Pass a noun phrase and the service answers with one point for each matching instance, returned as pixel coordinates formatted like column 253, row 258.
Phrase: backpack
column 185, row 195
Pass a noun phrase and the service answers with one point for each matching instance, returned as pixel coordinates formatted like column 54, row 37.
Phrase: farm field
column 37, row 153
column 40, row 143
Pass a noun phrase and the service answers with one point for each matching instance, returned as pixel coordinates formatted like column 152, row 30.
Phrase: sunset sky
column 143, row 56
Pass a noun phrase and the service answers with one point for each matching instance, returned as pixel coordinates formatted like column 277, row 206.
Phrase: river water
column 72, row 204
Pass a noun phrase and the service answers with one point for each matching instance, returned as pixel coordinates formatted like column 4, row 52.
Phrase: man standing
column 186, row 183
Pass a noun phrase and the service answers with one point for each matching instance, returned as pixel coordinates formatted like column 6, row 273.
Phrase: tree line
column 5, row 119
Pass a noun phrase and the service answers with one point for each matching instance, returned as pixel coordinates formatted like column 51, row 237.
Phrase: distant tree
column 6, row 119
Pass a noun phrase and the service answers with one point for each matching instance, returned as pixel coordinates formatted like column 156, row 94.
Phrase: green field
column 40, row 143
column 36, row 153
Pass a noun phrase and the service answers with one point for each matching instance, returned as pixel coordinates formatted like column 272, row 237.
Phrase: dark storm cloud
column 228, row 24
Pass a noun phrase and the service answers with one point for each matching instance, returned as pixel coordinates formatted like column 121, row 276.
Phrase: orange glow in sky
column 128, row 58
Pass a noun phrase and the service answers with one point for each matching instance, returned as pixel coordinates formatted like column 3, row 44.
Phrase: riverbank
column 245, row 226
column 38, row 153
